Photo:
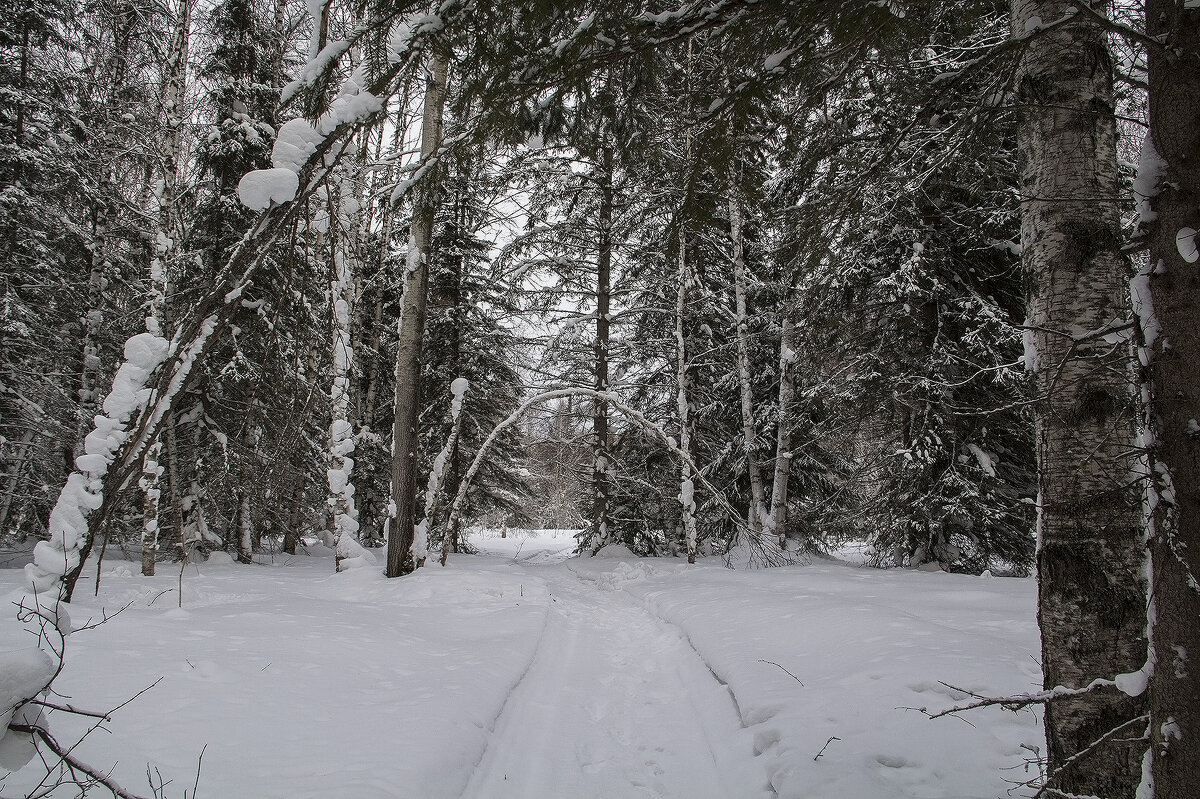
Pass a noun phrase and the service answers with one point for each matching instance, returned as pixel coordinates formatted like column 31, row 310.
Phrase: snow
column 774, row 62
column 83, row 491
column 1150, row 171
column 295, row 143
column 262, row 188
column 1185, row 242
column 984, row 459
column 523, row 673
column 1134, row 683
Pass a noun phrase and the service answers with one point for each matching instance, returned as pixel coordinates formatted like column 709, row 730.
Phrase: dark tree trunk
column 600, row 453
column 1172, row 330
column 408, row 360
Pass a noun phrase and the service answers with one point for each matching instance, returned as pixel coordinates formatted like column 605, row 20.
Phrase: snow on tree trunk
column 601, row 458
column 343, row 515
column 165, row 248
column 1167, row 295
column 758, row 508
column 57, row 559
column 437, row 477
column 783, row 436
column 1091, row 603
column 412, row 330
column 687, row 486
column 93, row 319
column 243, row 529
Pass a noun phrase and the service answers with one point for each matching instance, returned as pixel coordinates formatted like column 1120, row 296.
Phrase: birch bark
column 1091, row 602
column 758, row 506
column 783, row 433
column 166, row 247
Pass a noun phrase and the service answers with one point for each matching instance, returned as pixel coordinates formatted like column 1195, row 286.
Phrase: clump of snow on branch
column 1185, row 242
column 299, row 139
column 84, row 492
column 262, row 188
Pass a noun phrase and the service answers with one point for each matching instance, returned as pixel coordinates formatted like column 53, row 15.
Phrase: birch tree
column 166, row 248
column 1091, row 603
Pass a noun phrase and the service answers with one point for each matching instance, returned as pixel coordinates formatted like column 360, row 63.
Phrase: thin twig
column 832, row 738
column 785, row 671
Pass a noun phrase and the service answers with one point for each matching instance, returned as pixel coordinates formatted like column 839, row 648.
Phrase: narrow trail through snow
column 614, row 697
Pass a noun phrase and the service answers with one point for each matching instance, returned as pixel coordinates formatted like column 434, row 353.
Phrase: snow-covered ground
column 523, row 673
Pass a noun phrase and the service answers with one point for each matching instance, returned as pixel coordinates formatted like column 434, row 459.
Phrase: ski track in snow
column 632, row 705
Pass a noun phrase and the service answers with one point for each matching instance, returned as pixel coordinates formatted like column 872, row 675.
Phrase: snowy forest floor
column 521, row 672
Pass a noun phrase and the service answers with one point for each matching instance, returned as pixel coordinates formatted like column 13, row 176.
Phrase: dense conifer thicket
column 695, row 279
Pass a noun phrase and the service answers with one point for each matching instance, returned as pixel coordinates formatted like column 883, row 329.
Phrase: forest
column 738, row 284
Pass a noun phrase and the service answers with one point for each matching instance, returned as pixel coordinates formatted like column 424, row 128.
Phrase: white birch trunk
column 783, row 437
column 758, row 508
column 687, row 486
column 1091, row 602
column 165, row 249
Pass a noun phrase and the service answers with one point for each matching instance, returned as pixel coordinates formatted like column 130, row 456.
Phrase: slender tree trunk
column 687, row 487
column 758, row 505
column 783, row 433
column 291, row 536
column 343, row 515
column 601, row 459
column 13, row 478
column 412, row 332
column 1091, row 603
column 1172, row 354
column 173, row 479
column 165, row 249
column 243, row 529
column 93, row 319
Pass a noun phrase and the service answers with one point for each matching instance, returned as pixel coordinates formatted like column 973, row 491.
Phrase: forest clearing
column 298, row 300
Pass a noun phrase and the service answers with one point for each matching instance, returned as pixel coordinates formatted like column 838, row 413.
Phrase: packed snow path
column 615, row 703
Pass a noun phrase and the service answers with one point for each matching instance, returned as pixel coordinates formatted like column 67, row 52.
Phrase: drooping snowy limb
column 757, row 515
column 628, row 412
column 408, row 357
column 29, row 675
column 783, row 434
column 437, row 477
column 1090, row 554
column 1019, row 701
column 165, row 249
column 1166, row 298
